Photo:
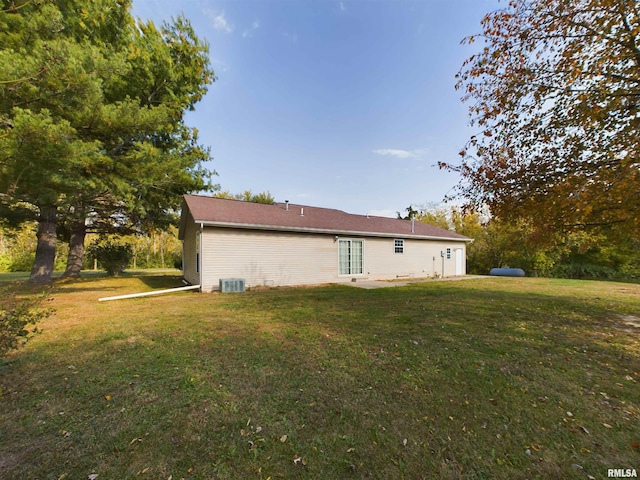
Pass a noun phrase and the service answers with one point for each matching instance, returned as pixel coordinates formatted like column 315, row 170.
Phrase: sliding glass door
column 350, row 257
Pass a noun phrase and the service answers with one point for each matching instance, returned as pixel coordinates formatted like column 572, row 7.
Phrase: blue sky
column 337, row 104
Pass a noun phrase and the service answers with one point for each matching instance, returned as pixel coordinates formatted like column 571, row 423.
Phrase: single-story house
column 287, row 244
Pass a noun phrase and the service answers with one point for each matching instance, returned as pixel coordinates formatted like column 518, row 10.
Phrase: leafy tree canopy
column 91, row 115
column 247, row 196
column 555, row 92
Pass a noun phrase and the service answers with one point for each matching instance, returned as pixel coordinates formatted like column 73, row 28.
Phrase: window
column 350, row 257
column 448, row 254
column 398, row 246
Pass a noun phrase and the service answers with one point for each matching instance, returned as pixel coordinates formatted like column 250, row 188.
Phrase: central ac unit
column 230, row 285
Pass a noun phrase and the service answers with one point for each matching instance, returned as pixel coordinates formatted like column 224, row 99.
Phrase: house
column 286, row 244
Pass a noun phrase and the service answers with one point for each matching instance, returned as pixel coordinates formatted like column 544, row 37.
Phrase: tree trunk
column 76, row 250
column 46, row 249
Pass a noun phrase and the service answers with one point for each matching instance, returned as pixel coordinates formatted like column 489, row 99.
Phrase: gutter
column 251, row 226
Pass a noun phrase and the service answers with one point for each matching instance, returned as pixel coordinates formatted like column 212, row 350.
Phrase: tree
column 411, row 213
column 437, row 215
column 247, row 196
column 91, row 118
column 555, row 91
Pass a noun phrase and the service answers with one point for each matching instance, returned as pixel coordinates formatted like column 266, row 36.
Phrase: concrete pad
column 373, row 284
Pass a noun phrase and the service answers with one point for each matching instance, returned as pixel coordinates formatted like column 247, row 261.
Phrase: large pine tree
column 92, row 103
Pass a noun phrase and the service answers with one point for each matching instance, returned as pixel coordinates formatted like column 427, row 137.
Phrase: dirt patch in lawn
column 630, row 321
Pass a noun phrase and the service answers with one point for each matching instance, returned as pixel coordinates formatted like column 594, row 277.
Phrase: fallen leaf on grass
column 635, row 445
column 283, row 438
column 92, row 476
column 606, row 425
column 137, row 439
column 300, row 460
column 107, row 397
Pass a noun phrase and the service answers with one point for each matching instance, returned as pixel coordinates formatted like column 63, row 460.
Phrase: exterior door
column 459, row 262
column 350, row 257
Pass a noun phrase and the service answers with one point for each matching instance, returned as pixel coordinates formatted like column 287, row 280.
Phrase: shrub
column 18, row 324
column 22, row 261
column 112, row 255
column 5, row 262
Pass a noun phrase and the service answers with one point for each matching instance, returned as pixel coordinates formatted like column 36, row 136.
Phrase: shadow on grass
column 479, row 380
column 133, row 281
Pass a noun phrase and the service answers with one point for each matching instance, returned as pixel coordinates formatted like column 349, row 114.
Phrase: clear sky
column 340, row 104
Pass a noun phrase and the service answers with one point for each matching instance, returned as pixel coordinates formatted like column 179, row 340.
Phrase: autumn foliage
column 555, row 94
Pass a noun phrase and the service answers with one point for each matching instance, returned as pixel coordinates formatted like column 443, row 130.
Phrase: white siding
column 382, row 263
column 281, row 258
column 267, row 258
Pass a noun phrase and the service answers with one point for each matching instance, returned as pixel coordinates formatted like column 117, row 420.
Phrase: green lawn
column 494, row 378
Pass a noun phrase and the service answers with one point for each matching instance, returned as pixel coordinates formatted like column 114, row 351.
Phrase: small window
column 448, row 254
column 398, row 246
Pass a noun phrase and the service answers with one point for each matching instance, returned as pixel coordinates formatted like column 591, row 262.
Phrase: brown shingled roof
column 303, row 218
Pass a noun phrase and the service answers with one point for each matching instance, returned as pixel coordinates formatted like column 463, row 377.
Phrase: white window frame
column 398, row 246
column 351, row 258
column 448, row 253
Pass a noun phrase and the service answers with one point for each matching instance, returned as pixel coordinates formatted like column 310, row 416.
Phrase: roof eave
column 280, row 228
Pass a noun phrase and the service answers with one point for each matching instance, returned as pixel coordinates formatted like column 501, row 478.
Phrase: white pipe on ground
column 146, row 294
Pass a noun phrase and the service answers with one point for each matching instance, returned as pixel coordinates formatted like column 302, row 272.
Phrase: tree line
column 517, row 243
column 158, row 249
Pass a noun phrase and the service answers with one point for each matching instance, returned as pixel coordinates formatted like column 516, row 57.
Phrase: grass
column 483, row 379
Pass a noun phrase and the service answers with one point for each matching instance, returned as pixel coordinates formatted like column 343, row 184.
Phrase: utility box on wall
column 231, row 285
